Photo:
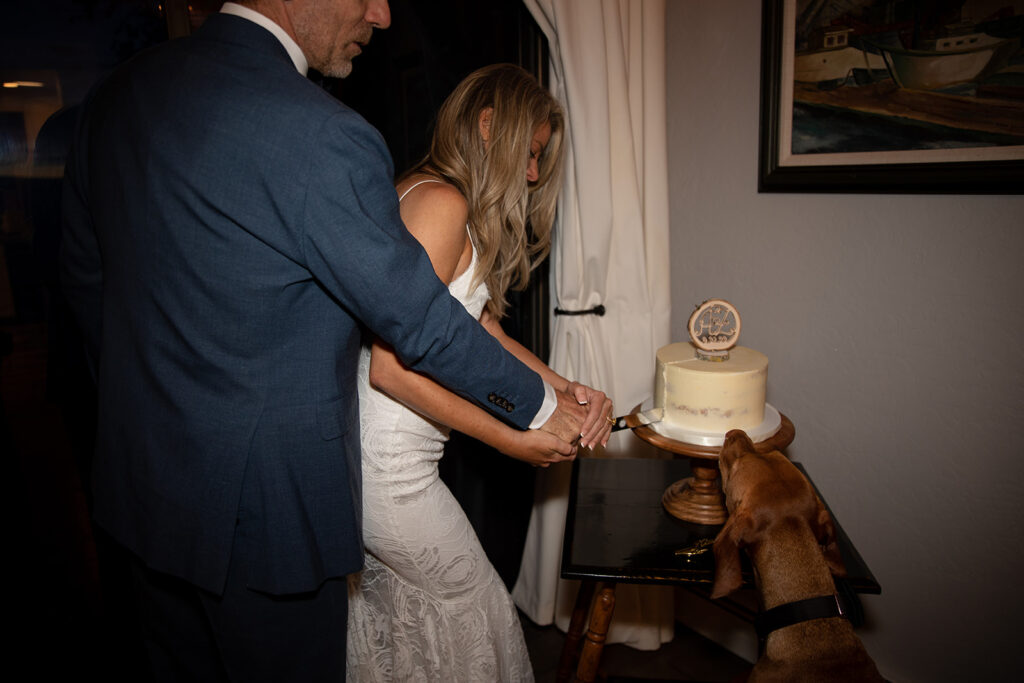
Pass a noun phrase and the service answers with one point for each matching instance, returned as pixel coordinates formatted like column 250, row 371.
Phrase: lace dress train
column 432, row 608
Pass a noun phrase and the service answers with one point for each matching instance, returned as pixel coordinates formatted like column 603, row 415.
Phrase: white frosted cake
column 710, row 395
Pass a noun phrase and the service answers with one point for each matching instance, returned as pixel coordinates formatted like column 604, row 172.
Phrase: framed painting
column 892, row 96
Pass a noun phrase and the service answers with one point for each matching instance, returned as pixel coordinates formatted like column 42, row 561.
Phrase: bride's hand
column 597, row 426
column 539, row 448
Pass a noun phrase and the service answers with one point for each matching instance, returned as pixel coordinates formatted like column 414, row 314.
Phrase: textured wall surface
column 893, row 325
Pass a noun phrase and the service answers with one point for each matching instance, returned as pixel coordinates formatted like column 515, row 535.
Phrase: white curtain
column 611, row 249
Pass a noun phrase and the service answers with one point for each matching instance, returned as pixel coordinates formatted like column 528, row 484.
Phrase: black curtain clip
column 596, row 310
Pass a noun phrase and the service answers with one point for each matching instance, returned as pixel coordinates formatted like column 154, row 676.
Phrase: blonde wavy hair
column 510, row 219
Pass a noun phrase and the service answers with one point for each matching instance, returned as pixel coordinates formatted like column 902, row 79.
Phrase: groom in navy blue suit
column 229, row 227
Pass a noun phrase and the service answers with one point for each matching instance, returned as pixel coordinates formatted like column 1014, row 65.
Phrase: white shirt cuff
column 547, row 408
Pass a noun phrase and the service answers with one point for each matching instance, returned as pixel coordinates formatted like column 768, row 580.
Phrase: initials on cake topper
column 714, row 329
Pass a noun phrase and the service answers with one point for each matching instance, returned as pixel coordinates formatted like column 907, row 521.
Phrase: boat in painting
column 948, row 60
column 832, row 60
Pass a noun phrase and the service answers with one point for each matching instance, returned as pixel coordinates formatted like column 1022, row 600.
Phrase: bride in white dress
column 429, row 606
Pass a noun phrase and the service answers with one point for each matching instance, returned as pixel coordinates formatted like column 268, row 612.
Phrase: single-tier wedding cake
column 710, row 396
column 708, row 385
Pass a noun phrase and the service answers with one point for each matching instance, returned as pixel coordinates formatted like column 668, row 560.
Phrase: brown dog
column 775, row 515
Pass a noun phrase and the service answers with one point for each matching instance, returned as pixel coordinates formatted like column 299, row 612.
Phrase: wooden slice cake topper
column 714, row 329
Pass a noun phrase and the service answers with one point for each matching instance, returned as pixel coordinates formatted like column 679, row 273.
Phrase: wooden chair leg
column 571, row 647
column 600, row 618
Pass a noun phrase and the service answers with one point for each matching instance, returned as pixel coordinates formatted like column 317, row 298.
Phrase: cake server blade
column 634, row 420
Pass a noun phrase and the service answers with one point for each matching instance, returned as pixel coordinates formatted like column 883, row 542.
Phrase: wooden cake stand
column 699, row 498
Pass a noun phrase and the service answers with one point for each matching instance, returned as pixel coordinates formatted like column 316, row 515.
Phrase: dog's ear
column 826, row 533
column 733, row 536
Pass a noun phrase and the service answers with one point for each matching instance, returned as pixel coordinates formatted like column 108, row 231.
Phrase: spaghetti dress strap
column 415, row 185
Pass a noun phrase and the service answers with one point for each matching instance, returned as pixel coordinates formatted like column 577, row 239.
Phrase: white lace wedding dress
column 428, row 606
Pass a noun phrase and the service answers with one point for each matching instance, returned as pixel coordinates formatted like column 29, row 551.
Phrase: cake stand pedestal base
column 699, row 498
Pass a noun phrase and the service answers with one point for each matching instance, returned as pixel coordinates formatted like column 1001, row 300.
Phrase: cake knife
column 634, row 420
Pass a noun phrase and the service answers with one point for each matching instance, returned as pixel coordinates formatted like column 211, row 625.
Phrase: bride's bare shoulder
column 435, row 212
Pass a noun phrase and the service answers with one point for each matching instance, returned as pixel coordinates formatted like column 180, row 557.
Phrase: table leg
column 571, row 647
column 600, row 618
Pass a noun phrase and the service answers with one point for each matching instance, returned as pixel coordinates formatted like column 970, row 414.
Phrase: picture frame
column 954, row 157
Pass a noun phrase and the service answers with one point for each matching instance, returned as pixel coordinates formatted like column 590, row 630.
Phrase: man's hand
column 567, row 421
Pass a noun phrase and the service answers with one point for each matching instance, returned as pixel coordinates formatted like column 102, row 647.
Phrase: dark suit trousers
column 192, row 635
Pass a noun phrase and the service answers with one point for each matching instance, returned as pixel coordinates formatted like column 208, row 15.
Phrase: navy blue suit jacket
column 227, row 226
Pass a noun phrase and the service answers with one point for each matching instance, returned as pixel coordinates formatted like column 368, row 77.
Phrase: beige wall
column 893, row 324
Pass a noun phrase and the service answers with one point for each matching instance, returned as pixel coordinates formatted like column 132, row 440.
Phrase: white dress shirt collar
column 294, row 51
